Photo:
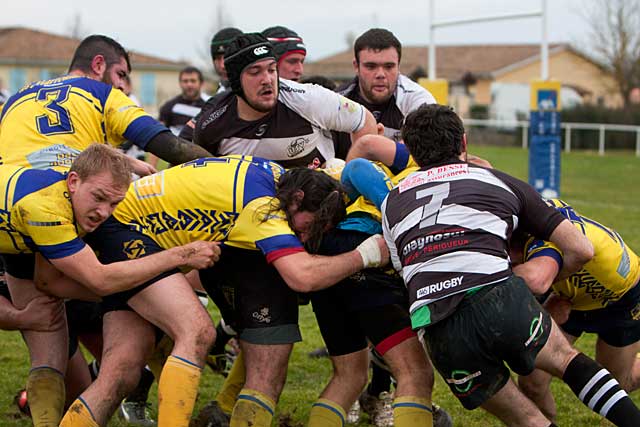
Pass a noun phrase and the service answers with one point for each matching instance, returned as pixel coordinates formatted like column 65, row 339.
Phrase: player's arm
column 304, row 272
column 103, row 279
column 576, row 248
column 42, row 313
column 539, row 273
column 141, row 168
column 368, row 128
column 373, row 147
column 173, row 149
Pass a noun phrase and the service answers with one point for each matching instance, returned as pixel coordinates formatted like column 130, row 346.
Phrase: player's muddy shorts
column 501, row 323
column 370, row 305
column 618, row 324
column 252, row 297
column 113, row 241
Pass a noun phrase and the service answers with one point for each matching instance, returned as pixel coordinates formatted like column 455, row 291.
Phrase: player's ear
column 73, row 182
column 99, row 66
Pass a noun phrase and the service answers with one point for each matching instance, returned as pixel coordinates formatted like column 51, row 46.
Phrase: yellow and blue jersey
column 223, row 199
column 48, row 123
column 36, row 213
column 612, row 271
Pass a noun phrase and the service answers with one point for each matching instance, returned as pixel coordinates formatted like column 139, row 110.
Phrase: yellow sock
column 232, row 385
column 326, row 413
column 411, row 411
column 177, row 392
column 45, row 391
column 78, row 415
column 252, row 409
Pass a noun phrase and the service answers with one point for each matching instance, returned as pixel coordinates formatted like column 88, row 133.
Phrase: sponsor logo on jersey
column 421, row 242
column 261, row 50
column 261, row 129
column 347, row 104
column 292, row 89
column 439, row 173
column 439, row 286
column 297, row 146
column 214, row 116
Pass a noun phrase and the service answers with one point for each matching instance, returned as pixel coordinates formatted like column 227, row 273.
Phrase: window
column 17, row 79
column 148, row 89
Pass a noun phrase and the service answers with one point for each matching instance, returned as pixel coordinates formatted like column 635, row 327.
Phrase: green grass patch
column 603, row 188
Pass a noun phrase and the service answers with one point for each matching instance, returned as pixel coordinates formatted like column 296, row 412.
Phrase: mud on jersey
column 295, row 133
column 447, row 229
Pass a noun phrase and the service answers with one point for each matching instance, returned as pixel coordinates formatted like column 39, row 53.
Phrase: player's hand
column 142, row 168
column 200, row 254
column 558, row 307
column 43, row 313
column 374, row 251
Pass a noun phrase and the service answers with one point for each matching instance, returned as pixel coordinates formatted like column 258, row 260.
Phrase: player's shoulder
column 410, row 95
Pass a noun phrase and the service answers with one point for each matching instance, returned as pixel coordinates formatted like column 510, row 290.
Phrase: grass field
column 603, row 188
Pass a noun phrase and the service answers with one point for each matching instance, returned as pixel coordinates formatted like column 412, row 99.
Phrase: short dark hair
column 320, row 80
column 323, row 196
column 94, row 45
column 190, row 70
column 376, row 39
column 433, row 134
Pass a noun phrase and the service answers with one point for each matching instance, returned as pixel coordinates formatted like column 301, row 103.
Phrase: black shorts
column 252, row 297
column 83, row 317
column 499, row 323
column 370, row 305
column 20, row 266
column 618, row 324
column 113, row 242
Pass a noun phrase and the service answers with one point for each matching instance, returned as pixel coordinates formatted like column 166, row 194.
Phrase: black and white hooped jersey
column 295, row 133
column 448, row 229
column 176, row 112
column 407, row 97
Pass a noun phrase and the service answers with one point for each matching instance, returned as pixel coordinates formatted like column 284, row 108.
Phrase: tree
column 614, row 40
column 221, row 21
column 75, row 28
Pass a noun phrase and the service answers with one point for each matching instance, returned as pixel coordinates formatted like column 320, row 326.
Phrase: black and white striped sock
column 597, row 389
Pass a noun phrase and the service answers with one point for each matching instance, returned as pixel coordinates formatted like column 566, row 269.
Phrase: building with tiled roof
column 28, row 55
column 472, row 70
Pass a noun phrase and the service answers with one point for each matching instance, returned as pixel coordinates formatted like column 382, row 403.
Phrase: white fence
column 568, row 127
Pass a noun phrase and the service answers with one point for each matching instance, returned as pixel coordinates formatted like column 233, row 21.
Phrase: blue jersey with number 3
column 48, row 123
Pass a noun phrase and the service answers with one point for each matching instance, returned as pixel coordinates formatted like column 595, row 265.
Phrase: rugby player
column 219, row 43
column 602, row 298
column 379, row 85
column 447, row 227
column 253, row 206
column 289, row 50
column 182, row 108
column 47, row 212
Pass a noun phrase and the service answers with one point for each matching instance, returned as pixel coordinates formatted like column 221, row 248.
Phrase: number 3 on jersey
column 57, row 120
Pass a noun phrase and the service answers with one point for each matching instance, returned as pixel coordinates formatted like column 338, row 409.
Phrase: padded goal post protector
column 544, row 137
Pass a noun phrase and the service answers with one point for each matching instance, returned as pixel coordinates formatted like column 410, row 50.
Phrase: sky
column 181, row 30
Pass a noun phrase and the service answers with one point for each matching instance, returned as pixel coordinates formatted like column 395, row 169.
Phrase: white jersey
column 295, row 133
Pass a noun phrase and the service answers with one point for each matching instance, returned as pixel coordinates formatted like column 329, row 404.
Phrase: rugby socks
column 78, row 415
column 46, row 394
column 177, row 392
column 326, row 413
column 597, row 389
column 232, row 385
column 412, row 411
column 253, row 409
